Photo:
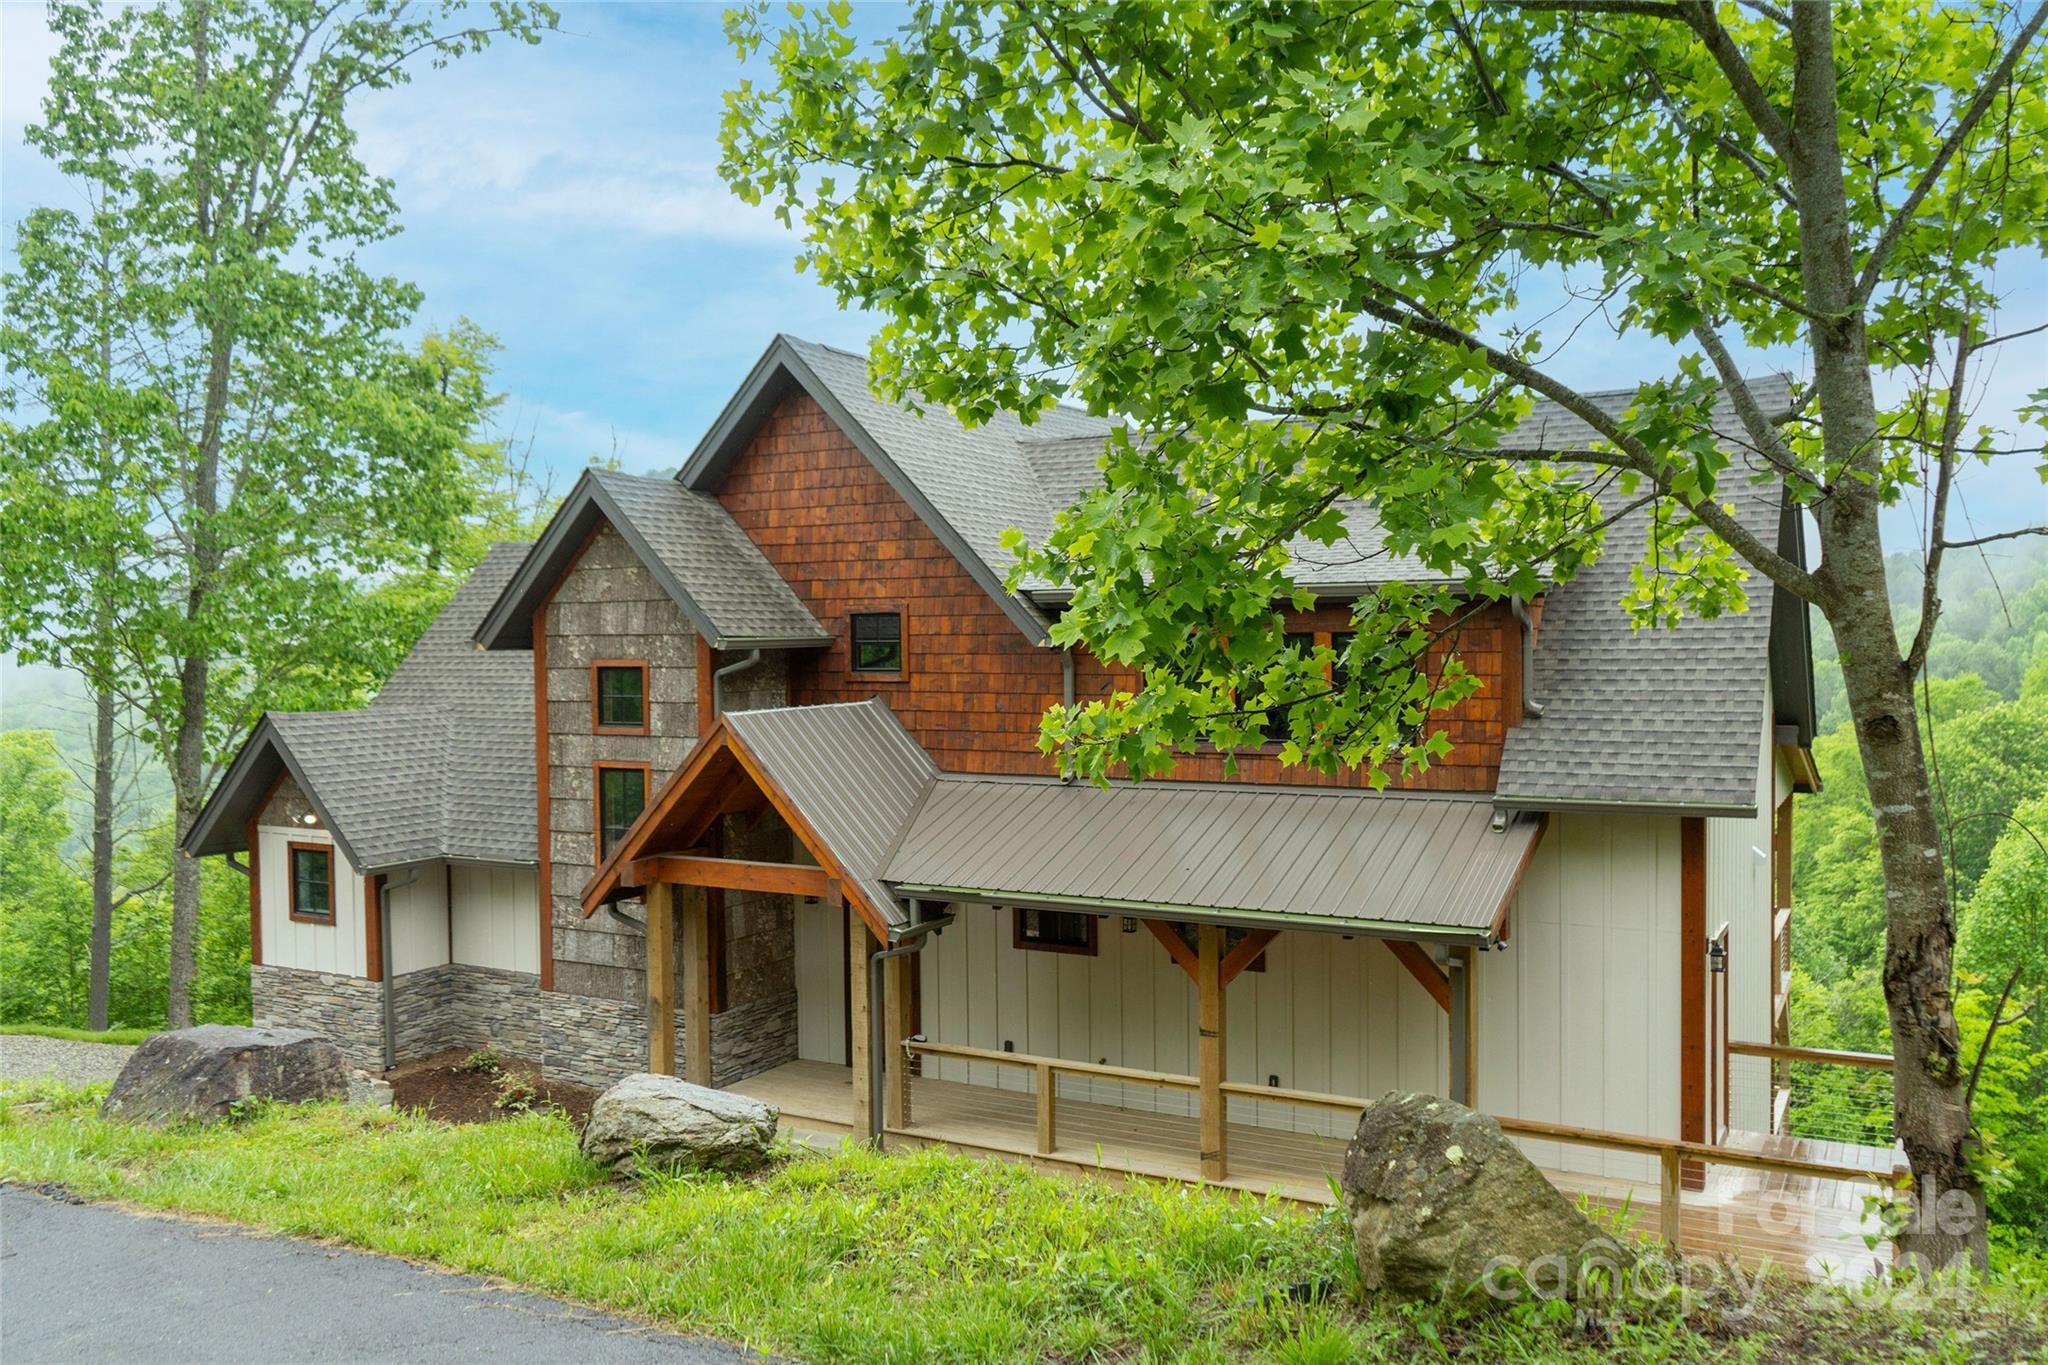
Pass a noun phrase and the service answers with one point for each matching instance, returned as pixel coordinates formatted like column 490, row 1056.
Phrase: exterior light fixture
column 1130, row 925
column 309, row 819
column 1717, row 957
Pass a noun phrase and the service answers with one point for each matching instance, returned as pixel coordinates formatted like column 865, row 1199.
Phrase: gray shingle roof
column 715, row 574
column 439, row 765
column 1426, row 863
column 1669, row 719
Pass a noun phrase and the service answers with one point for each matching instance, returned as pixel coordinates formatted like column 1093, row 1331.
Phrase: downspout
column 237, row 864
column 1531, row 707
column 909, row 940
column 718, row 677
column 384, row 890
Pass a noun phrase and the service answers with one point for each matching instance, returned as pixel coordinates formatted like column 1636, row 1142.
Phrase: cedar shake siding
column 607, row 606
column 975, row 687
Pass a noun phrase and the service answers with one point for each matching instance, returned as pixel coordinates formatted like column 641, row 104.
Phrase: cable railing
column 1817, row 1093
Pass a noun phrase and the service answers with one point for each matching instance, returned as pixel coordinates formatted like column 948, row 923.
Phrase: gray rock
column 650, row 1121
column 369, row 1092
column 202, row 1073
column 1443, row 1204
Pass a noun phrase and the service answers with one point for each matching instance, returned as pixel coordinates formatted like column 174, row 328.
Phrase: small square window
column 621, row 692
column 312, row 882
column 1054, row 931
column 878, row 642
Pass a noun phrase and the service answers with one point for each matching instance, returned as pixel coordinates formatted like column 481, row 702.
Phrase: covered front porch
column 1797, row 1205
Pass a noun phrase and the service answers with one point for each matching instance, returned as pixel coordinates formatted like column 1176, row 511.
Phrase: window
column 618, row 688
column 1277, row 721
column 1054, row 931
column 621, row 796
column 311, row 882
column 878, row 642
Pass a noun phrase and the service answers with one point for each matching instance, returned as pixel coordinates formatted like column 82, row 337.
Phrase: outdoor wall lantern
column 1717, row 957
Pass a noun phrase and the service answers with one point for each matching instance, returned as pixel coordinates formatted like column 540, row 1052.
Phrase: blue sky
column 565, row 197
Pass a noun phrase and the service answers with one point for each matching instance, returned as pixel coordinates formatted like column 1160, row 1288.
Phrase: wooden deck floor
column 1811, row 1228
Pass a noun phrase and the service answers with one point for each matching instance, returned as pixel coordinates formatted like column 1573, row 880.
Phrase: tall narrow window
column 311, row 882
column 878, row 642
column 618, row 688
column 621, row 796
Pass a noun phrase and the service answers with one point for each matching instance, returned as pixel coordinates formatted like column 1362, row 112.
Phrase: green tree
column 44, row 928
column 1197, row 214
column 267, row 439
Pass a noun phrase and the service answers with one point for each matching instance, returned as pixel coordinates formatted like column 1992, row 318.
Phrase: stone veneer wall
column 593, row 1023
column 348, row 1009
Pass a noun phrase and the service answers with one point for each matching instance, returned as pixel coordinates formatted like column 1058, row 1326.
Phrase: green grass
column 127, row 1036
column 854, row 1256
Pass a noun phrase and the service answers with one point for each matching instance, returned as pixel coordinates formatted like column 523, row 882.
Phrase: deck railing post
column 1048, row 1123
column 1671, row 1181
column 1209, row 980
column 696, row 915
column 661, row 978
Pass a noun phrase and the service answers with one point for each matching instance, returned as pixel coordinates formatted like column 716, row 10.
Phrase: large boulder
column 650, row 1121
column 202, row 1073
column 1443, row 1204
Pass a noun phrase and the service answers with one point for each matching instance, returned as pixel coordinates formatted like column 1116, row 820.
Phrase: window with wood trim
column 618, row 696
column 621, row 796
column 877, row 643
column 1053, row 931
column 309, row 882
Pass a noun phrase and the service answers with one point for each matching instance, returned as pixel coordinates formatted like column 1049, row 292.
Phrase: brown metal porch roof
column 1395, row 864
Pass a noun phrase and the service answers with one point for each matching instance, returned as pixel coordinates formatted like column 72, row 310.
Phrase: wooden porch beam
column 696, row 913
column 661, row 980
column 859, row 943
column 1246, row 952
column 730, row 874
column 1209, row 981
column 1176, row 946
column 896, row 989
column 1464, row 1027
column 1423, row 968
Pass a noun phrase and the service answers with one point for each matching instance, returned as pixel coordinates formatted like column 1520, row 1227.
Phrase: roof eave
column 765, row 384
column 1600, row 805
column 239, row 772
column 1481, row 936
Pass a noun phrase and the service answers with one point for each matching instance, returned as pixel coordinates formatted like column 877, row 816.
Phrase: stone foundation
column 579, row 1038
column 593, row 1041
column 348, row 1009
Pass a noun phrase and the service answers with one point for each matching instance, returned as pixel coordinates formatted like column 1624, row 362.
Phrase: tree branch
column 1763, row 433
column 1944, row 481
column 1866, row 283
column 1975, row 541
column 1631, row 452
column 1700, row 17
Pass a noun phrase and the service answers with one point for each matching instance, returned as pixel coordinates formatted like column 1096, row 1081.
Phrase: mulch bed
column 440, row 1086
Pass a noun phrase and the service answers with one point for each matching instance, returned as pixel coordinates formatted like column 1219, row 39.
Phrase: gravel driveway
column 28, row 1057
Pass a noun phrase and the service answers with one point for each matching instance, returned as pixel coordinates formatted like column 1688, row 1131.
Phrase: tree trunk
column 1930, row 1112
column 188, row 760
column 102, row 857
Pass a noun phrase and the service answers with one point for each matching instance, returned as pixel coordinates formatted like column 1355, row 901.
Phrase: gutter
column 718, row 677
column 1477, row 936
column 384, row 890
column 908, row 940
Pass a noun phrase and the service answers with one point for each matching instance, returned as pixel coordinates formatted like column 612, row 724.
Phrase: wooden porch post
column 896, row 990
column 1209, row 981
column 1464, row 1027
column 858, row 946
column 661, row 979
column 696, row 985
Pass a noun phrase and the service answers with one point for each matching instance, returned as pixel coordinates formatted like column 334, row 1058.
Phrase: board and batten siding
column 419, row 918
column 1739, row 895
column 493, row 923
column 1578, row 1017
column 338, row 947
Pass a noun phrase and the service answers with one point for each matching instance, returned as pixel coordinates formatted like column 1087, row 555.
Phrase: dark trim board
column 1692, row 987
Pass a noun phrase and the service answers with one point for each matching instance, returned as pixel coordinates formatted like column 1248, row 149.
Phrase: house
column 736, row 773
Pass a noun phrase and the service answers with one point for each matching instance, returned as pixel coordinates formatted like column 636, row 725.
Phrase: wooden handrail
column 1875, row 1061
column 1671, row 1153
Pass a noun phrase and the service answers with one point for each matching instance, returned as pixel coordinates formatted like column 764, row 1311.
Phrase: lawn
column 921, row 1257
column 131, row 1037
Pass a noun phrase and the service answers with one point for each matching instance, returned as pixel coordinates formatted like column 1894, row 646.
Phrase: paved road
column 89, row 1283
